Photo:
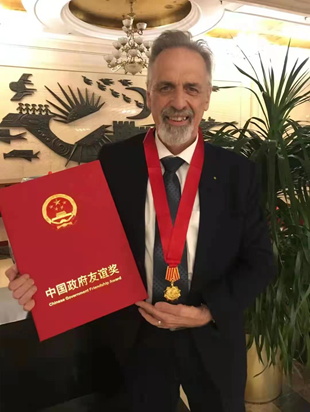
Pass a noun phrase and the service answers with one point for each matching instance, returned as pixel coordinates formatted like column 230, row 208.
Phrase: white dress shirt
column 150, row 216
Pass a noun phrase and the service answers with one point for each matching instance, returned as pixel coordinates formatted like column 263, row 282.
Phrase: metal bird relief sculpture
column 107, row 82
column 138, row 104
column 76, row 107
column 115, row 93
column 126, row 98
column 20, row 88
column 87, row 80
column 102, row 86
column 125, row 82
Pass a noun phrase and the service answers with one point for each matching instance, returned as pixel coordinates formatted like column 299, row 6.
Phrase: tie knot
column 172, row 164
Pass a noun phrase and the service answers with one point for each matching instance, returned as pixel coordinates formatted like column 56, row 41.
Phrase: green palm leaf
column 280, row 318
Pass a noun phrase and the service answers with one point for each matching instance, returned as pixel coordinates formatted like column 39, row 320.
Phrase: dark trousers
column 161, row 361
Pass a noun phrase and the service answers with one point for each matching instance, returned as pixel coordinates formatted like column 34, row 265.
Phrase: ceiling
column 275, row 31
column 12, row 4
column 158, row 13
column 107, row 13
column 293, row 6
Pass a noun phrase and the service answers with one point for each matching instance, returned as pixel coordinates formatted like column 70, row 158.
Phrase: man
column 195, row 337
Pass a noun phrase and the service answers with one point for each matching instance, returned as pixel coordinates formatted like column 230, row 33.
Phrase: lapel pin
column 214, row 177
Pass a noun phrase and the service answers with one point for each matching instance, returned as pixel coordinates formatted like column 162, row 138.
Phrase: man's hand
column 167, row 316
column 22, row 286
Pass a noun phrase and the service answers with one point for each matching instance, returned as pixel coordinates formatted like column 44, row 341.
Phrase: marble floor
column 295, row 397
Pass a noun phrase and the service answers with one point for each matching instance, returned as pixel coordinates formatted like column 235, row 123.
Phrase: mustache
column 171, row 112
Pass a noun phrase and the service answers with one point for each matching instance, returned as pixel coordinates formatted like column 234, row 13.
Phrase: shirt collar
column 186, row 155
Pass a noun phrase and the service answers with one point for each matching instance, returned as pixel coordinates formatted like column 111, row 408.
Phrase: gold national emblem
column 59, row 211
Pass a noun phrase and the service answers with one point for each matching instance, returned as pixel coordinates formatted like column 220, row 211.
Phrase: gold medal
column 172, row 293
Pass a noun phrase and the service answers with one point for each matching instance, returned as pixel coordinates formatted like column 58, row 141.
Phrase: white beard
column 175, row 135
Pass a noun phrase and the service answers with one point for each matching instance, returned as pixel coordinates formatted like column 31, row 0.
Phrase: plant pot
column 263, row 384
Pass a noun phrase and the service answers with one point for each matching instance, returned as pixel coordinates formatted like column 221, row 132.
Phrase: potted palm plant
column 278, row 324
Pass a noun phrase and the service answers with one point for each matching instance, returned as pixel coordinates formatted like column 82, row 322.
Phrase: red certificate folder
column 65, row 233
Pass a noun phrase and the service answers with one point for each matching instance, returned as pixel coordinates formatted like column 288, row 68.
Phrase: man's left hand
column 167, row 316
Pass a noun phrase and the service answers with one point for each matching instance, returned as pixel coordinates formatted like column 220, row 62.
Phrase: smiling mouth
column 177, row 120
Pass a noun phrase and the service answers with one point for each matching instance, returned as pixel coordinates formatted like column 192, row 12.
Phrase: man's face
column 178, row 94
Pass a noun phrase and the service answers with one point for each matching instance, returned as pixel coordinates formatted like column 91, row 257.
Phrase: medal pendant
column 172, row 293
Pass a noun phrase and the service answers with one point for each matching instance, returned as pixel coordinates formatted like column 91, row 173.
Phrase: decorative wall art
column 68, row 121
column 82, row 151
column 76, row 107
column 145, row 110
column 114, row 93
column 140, row 105
column 125, row 130
column 107, row 82
column 68, row 108
column 33, row 108
column 126, row 82
column 6, row 137
column 87, row 81
column 20, row 87
column 126, row 98
column 21, row 154
column 102, row 86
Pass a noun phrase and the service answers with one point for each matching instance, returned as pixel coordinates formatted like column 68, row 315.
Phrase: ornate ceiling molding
column 107, row 13
column 56, row 17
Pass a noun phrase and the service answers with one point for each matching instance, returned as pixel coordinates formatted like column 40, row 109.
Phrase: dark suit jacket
column 234, row 260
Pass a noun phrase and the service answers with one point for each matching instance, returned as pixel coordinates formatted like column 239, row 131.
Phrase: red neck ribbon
column 173, row 237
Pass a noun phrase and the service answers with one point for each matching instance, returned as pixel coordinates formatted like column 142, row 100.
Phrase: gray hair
column 175, row 38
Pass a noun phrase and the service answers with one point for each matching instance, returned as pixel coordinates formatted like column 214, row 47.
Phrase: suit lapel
column 136, row 191
column 208, row 203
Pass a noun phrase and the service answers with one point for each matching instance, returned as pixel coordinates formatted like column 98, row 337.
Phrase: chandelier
column 132, row 52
